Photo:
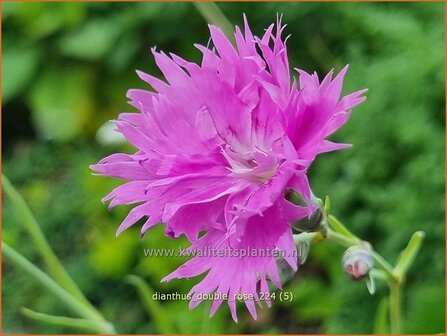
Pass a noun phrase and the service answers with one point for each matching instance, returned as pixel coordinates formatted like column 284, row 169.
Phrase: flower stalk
column 334, row 230
column 395, row 307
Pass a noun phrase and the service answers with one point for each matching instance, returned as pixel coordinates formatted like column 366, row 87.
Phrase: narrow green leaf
column 70, row 322
column 381, row 325
column 53, row 264
column 212, row 14
column 408, row 255
column 20, row 261
column 155, row 310
column 327, row 205
column 379, row 274
column 370, row 284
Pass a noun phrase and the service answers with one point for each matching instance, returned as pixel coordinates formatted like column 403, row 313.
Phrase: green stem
column 55, row 268
column 66, row 297
column 341, row 239
column 395, row 307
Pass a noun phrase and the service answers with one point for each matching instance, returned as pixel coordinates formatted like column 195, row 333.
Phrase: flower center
column 256, row 165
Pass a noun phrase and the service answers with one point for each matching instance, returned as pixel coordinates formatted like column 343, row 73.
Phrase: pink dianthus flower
column 218, row 145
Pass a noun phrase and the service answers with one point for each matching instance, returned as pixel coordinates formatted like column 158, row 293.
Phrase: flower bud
column 316, row 221
column 357, row 261
column 312, row 224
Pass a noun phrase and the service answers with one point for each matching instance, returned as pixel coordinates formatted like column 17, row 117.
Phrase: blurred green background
column 66, row 68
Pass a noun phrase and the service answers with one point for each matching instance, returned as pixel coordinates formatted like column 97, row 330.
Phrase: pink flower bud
column 357, row 261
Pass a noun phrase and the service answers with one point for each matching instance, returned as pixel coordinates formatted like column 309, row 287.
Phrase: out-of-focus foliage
column 66, row 68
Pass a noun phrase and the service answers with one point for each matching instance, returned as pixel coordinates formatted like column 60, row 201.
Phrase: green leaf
column 370, row 284
column 61, row 102
column 20, row 261
column 327, row 205
column 408, row 255
column 70, row 322
column 381, row 325
column 379, row 274
column 155, row 310
column 92, row 41
column 26, row 217
column 19, row 66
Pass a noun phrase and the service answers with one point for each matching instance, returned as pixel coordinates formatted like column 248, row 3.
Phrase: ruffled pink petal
column 233, row 274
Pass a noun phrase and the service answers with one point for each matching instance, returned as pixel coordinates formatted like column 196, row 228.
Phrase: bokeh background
column 66, row 68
